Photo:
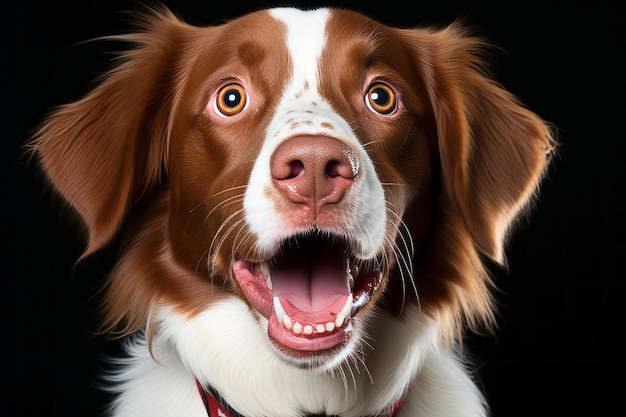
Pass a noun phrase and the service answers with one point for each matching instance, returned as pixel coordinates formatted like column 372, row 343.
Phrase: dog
column 306, row 203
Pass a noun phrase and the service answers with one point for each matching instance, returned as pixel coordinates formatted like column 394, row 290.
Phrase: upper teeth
column 345, row 312
column 307, row 329
column 265, row 270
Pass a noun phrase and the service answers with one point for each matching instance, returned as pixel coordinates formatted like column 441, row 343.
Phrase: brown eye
column 381, row 99
column 232, row 99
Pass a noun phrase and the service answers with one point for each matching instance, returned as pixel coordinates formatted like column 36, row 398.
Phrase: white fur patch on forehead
column 301, row 109
column 306, row 37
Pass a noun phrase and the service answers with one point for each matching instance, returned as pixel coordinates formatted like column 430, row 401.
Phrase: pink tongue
column 311, row 281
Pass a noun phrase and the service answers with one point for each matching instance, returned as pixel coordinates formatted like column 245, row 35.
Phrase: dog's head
column 314, row 164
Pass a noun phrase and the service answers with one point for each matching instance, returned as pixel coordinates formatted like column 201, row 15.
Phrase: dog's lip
column 322, row 319
column 284, row 338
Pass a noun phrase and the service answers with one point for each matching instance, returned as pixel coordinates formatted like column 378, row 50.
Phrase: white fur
column 226, row 347
column 146, row 387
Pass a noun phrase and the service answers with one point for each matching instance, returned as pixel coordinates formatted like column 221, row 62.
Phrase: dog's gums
column 309, row 293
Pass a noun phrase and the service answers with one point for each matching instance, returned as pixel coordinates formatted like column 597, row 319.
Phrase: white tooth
column 297, row 328
column 345, row 312
column 308, row 329
column 287, row 322
column 265, row 270
column 330, row 326
column 339, row 320
column 279, row 310
column 320, row 328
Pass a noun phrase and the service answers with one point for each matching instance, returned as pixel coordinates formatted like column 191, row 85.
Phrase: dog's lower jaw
column 326, row 360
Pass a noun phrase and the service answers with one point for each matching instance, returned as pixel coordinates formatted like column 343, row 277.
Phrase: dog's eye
column 381, row 99
column 231, row 99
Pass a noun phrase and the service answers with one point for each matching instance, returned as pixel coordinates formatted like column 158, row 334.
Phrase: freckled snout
column 314, row 170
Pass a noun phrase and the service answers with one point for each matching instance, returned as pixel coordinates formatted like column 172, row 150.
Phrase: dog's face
column 295, row 140
column 317, row 165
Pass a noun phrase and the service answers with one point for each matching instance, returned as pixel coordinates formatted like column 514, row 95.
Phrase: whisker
column 206, row 255
column 238, row 187
column 219, row 230
column 253, row 251
column 361, row 360
column 354, row 384
column 404, row 251
column 231, row 200
column 366, row 144
column 408, row 245
column 344, row 380
column 223, row 239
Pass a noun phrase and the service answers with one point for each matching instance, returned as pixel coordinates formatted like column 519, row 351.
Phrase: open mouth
column 309, row 292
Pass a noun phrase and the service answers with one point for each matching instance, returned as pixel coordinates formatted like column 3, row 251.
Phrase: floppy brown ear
column 90, row 149
column 493, row 150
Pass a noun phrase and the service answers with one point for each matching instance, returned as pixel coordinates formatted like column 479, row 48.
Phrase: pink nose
column 314, row 170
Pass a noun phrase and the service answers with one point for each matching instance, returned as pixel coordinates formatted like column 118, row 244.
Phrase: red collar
column 217, row 407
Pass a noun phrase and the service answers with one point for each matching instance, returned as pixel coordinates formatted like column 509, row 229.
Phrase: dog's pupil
column 380, row 96
column 232, row 98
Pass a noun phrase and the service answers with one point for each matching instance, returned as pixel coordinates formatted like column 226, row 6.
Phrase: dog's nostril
column 295, row 168
column 346, row 168
column 283, row 170
column 332, row 169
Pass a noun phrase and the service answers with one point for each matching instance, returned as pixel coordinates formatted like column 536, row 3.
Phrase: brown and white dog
column 305, row 200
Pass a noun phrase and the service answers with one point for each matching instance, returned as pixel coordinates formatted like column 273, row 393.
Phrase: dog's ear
column 493, row 150
column 89, row 149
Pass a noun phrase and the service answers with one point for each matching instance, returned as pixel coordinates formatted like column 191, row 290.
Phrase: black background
column 562, row 301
